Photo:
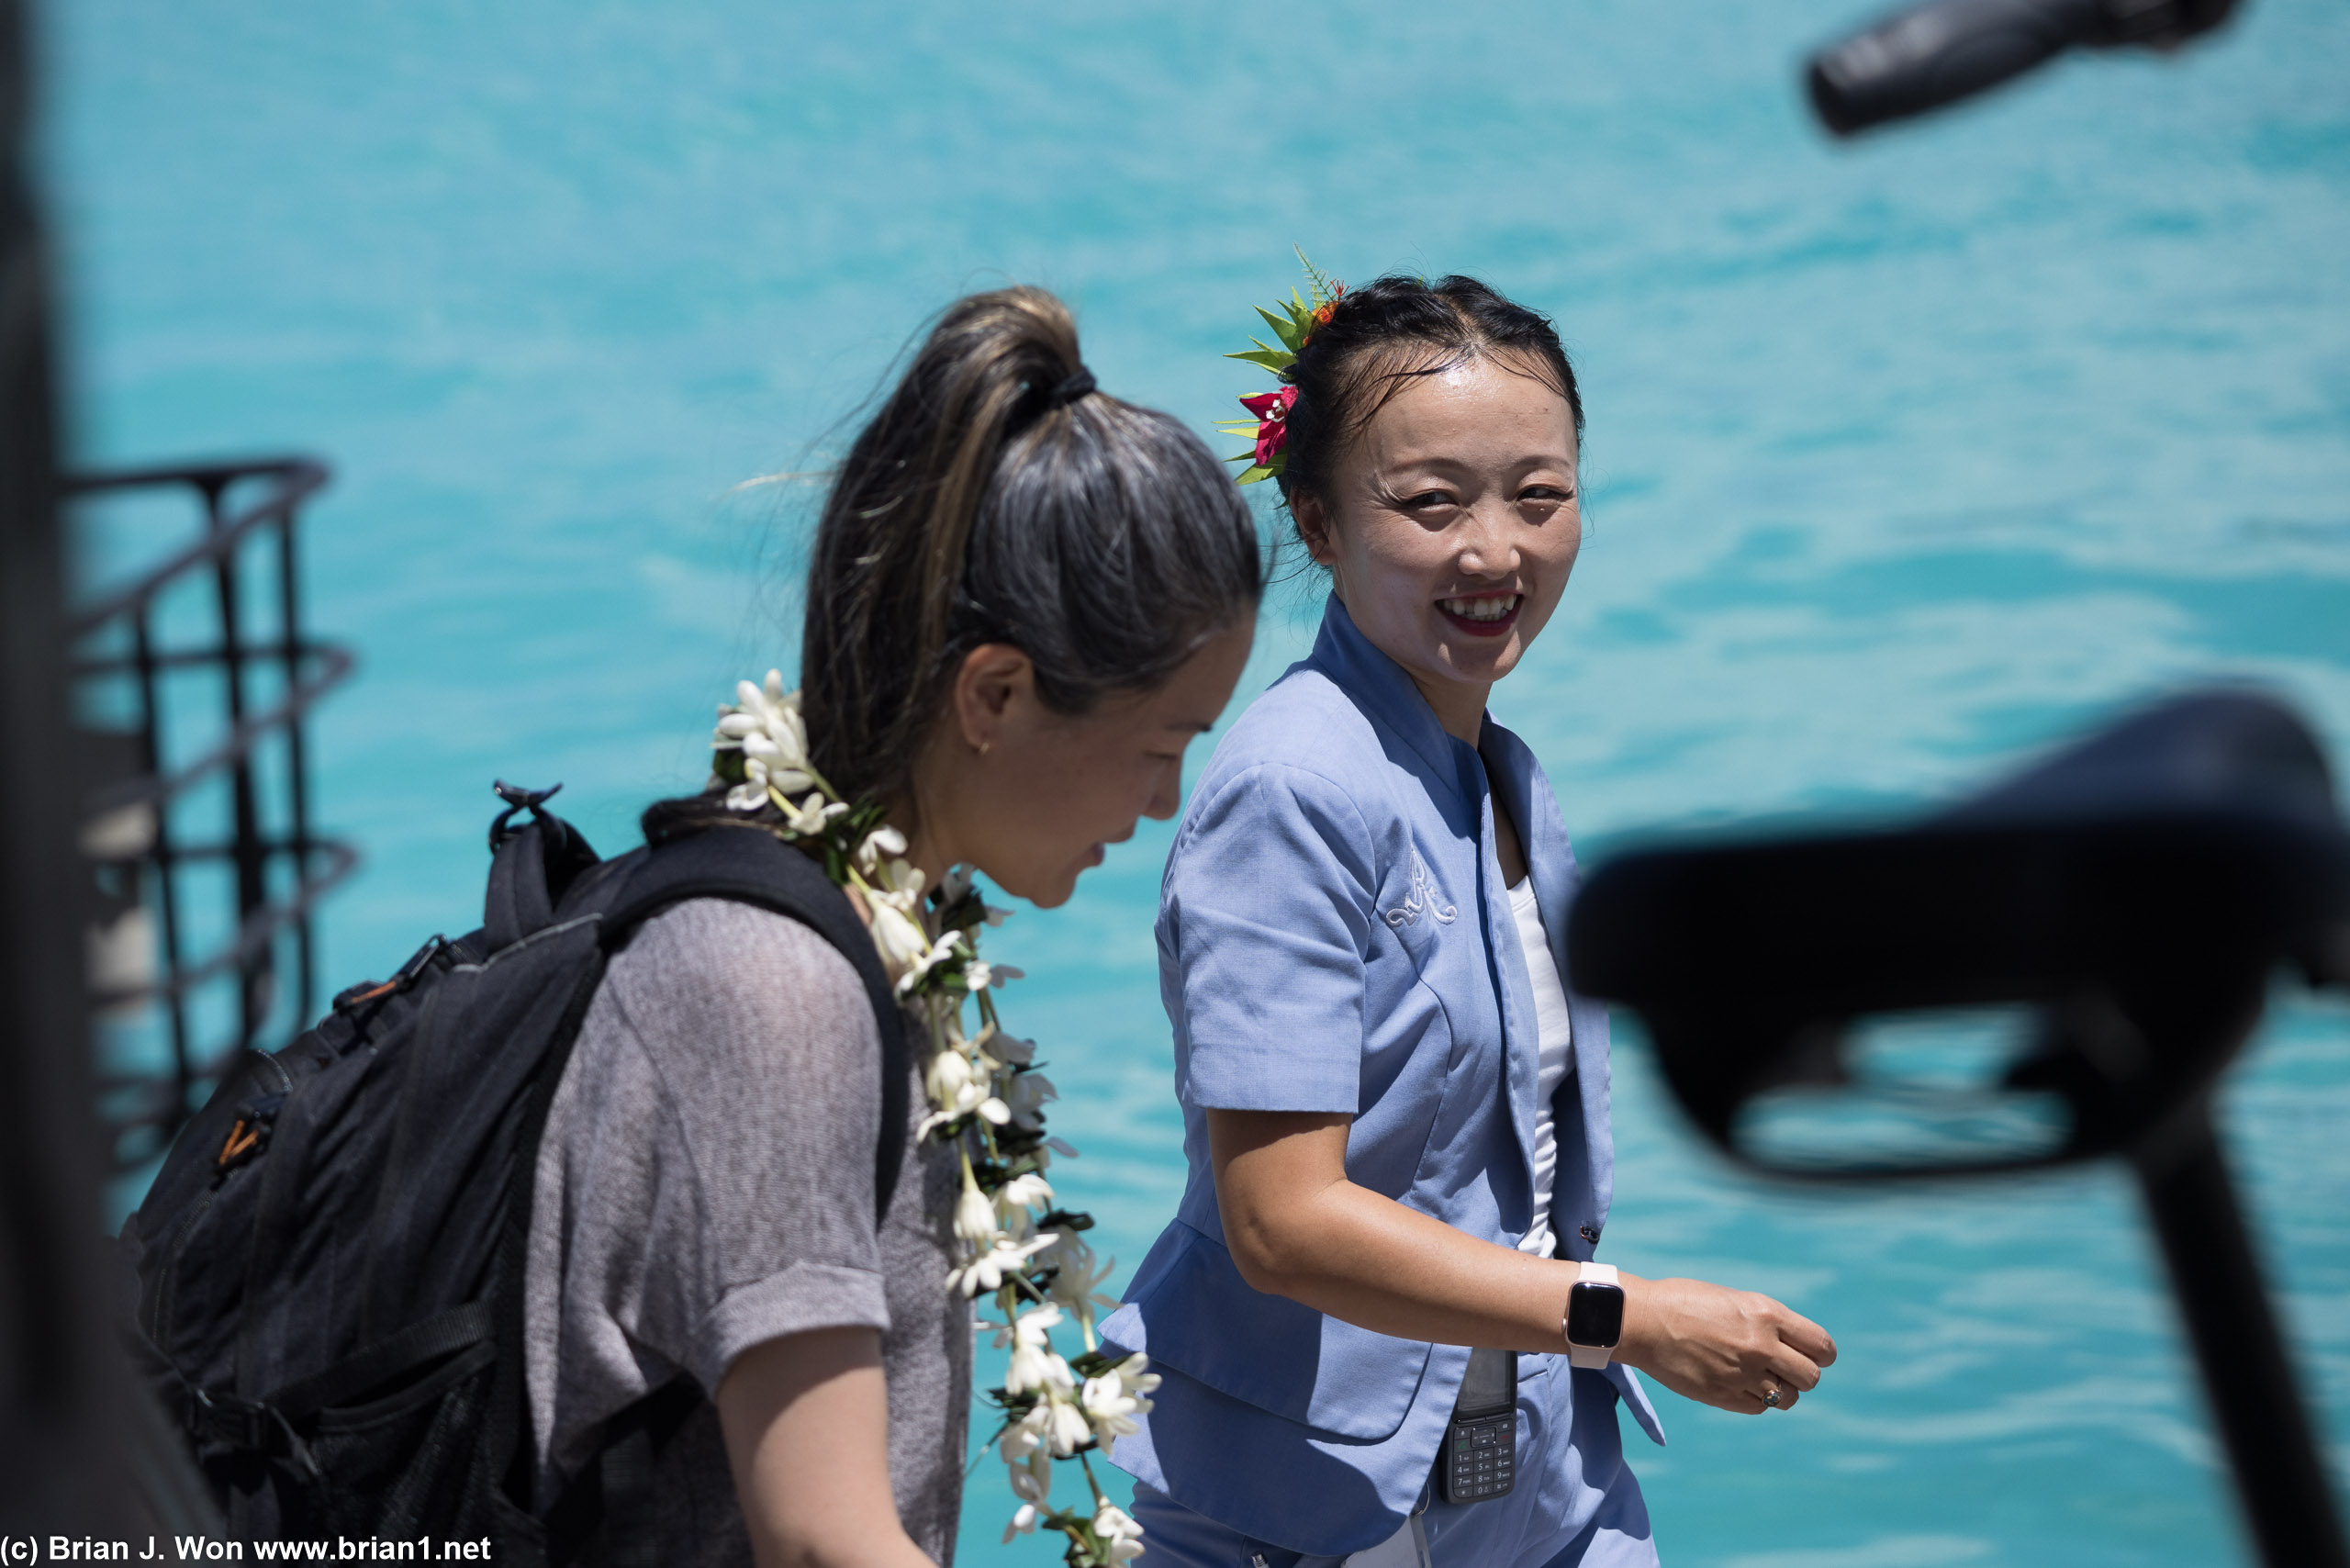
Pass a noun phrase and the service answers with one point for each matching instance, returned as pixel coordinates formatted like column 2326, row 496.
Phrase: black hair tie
column 1071, row 388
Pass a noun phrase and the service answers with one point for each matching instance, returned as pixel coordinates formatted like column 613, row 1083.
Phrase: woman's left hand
column 1737, row 1350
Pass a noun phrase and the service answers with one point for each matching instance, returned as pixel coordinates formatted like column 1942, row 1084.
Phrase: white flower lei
column 987, row 1098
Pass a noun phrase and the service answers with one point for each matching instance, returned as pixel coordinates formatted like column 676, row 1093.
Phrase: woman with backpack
column 1025, row 596
column 1378, row 1318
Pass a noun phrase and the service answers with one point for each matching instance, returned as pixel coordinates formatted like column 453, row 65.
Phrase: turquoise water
column 1903, row 459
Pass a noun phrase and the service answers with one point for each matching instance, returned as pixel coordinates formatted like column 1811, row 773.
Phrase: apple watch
column 1595, row 1320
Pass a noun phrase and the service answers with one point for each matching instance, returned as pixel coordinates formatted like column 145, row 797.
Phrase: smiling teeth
column 1482, row 609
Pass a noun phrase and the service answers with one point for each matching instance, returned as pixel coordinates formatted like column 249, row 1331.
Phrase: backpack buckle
column 248, row 1425
column 229, row 1421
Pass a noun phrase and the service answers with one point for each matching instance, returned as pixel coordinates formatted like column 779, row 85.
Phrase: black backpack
column 329, row 1261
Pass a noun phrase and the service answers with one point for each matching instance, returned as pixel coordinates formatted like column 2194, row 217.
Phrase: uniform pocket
column 1203, row 1320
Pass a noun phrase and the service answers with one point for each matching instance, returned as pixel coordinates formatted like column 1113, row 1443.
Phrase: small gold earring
column 984, row 745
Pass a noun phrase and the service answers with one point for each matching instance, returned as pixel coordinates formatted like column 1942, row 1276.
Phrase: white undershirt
column 1556, row 1056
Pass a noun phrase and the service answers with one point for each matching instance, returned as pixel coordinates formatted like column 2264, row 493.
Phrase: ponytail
column 889, row 548
column 997, row 496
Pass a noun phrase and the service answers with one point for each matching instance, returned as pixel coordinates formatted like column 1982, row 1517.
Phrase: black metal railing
column 193, row 682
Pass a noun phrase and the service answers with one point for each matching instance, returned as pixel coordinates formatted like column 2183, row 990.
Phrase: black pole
column 2279, row 1468
column 298, row 770
column 58, row 1385
column 164, row 863
column 82, row 1450
column 251, row 851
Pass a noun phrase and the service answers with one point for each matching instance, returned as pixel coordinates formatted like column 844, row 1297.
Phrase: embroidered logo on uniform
column 1423, row 899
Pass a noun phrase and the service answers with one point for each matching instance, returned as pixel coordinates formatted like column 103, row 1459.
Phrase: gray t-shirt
column 705, row 1185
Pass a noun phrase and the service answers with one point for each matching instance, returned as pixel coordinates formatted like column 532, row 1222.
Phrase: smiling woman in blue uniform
column 1395, row 1114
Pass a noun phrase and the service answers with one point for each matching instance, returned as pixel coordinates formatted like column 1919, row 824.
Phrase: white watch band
column 1593, row 1357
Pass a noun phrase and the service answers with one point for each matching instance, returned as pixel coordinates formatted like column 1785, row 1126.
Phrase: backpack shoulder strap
column 748, row 865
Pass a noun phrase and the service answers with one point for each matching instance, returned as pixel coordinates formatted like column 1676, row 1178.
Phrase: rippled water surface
column 1903, row 459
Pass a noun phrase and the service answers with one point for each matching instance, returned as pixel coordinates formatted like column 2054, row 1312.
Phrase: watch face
column 1594, row 1314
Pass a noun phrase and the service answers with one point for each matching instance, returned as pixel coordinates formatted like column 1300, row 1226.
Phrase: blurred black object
column 1938, row 52
column 2141, row 887
column 2137, row 894
column 80, row 1449
column 55, row 1371
column 83, row 1452
column 202, row 790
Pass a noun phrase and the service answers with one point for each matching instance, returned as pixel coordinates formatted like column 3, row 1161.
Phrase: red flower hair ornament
column 1266, row 427
column 1272, row 410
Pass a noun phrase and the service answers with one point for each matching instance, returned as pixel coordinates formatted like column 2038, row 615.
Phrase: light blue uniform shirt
column 1335, row 936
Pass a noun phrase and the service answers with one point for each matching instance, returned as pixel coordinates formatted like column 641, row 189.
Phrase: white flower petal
column 808, row 818
column 789, row 740
column 901, row 941
column 949, row 1075
column 1024, row 1191
column 1026, row 1095
column 939, row 952
column 1068, row 1431
column 1038, row 1367
column 882, row 841
column 1119, row 1533
column 1135, row 1373
column 1018, row 1443
column 1034, row 1327
column 987, row 1274
column 901, row 879
column 975, row 1223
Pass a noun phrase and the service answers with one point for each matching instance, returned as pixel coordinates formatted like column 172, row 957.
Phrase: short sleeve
column 706, row 1184
column 1269, row 902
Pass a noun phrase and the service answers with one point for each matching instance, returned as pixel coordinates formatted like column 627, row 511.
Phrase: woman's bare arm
column 806, row 1424
column 1299, row 1228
